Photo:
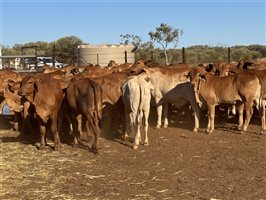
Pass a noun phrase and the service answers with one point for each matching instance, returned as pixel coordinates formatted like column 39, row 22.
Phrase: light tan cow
column 136, row 95
column 241, row 89
column 170, row 86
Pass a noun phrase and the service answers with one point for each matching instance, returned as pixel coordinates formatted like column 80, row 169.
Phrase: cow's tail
column 141, row 94
column 260, row 106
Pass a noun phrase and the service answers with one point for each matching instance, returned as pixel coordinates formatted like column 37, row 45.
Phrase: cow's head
column 195, row 75
column 27, row 86
column 11, row 95
column 137, row 67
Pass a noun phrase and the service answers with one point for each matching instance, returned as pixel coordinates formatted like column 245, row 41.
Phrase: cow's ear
column 147, row 79
column 74, row 71
column 10, row 85
column 209, row 68
column 186, row 75
column 202, row 77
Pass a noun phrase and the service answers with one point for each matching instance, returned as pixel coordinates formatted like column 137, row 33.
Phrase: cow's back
column 48, row 97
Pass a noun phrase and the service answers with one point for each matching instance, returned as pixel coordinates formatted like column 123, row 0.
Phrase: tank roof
column 105, row 46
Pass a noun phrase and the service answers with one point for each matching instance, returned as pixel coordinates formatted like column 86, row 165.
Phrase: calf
column 241, row 89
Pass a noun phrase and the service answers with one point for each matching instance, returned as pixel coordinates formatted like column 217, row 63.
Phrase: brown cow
column 84, row 96
column 241, row 89
column 46, row 96
column 261, row 74
column 5, row 76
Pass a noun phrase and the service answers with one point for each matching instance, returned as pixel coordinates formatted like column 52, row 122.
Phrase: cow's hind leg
column 93, row 123
column 240, row 109
column 137, row 131
column 54, row 130
column 146, row 126
column 125, row 136
column 159, row 115
column 211, row 109
column 165, row 115
column 75, row 131
column 249, row 112
column 262, row 110
column 42, row 132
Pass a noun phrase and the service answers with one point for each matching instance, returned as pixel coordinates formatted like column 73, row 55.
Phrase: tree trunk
column 166, row 57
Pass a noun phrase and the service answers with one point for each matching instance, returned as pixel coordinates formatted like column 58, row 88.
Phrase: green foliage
column 205, row 54
column 64, row 48
column 165, row 35
column 131, row 39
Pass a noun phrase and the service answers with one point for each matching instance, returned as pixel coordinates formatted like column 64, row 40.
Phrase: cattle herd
column 83, row 97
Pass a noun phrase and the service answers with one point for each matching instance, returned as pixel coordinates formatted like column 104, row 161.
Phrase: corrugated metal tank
column 102, row 54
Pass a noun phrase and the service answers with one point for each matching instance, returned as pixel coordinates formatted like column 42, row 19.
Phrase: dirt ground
column 178, row 164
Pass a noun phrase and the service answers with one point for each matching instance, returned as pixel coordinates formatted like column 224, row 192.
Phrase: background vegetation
column 65, row 49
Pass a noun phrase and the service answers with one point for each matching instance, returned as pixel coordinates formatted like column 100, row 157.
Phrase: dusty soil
column 178, row 164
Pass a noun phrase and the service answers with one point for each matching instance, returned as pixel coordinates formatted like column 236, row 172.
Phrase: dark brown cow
column 111, row 88
column 84, row 96
column 241, row 89
column 46, row 96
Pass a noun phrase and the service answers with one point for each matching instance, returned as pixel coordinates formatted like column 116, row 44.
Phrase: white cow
column 136, row 95
column 171, row 86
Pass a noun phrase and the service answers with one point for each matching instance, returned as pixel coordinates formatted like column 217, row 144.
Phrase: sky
column 204, row 22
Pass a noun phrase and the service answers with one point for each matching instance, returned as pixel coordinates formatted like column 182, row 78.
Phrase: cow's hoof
column 58, row 147
column 262, row 132
column 42, row 147
column 146, row 144
column 94, row 149
column 195, row 130
column 239, row 128
column 135, row 146
column 125, row 137
column 165, row 126
column 209, row 131
column 158, row 126
column 75, row 145
column 242, row 132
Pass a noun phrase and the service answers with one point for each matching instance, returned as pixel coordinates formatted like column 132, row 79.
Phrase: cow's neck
column 30, row 98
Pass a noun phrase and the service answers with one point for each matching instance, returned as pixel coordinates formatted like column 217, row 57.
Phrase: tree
column 166, row 35
column 131, row 39
column 66, row 48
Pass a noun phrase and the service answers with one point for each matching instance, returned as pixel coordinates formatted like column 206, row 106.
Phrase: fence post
column 183, row 55
column 97, row 59
column 54, row 55
column 152, row 56
column 229, row 55
column 36, row 55
column 125, row 56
